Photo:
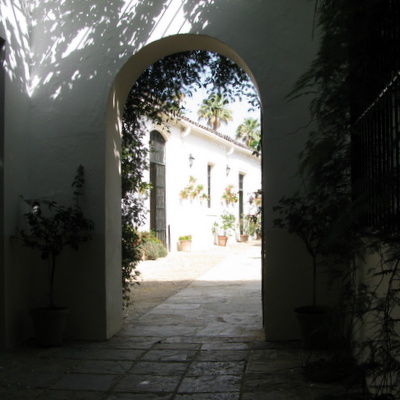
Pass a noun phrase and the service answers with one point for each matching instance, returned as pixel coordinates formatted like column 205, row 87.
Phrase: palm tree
column 214, row 111
column 249, row 132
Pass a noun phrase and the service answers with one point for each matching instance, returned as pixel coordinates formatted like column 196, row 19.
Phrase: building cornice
column 233, row 145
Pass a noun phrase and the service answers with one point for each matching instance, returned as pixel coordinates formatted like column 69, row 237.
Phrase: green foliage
column 377, row 309
column 249, row 224
column 150, row 251
column 192, row 191
column 152, row 248
column 249, row 133
column 185, row 237
column 325, row 167
column 225, row 223
column 133, row 164
column 53, row 227
column 213, row 109
column 162, row 85
column 131, row 255
column 229, row 196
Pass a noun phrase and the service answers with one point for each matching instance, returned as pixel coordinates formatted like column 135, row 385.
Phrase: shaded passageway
column 205, row 342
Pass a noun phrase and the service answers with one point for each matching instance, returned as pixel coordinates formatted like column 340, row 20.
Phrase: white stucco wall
column 14, row 274
column 193, row 216
column 64, row 109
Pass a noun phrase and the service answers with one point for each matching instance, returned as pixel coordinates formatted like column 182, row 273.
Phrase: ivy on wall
column 339, row 78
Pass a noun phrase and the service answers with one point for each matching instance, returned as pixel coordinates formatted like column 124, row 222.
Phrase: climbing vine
column 325, row 167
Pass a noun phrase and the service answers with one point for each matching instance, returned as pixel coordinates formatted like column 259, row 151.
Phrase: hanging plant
column 191, row 190
column 229, row 196
column 184, row 194
column 203, row 196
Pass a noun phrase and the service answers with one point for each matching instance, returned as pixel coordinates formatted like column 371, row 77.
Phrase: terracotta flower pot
column 314, row 325
column 222, row 240
column 49, row 325
column 244, row 238
column 186, row 245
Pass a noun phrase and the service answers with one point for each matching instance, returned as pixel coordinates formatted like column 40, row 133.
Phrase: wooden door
column 157, row 179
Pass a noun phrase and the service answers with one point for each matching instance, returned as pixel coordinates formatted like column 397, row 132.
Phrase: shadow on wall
column 69, row 35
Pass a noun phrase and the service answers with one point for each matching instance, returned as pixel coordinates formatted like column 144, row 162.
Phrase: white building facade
column 197, row 166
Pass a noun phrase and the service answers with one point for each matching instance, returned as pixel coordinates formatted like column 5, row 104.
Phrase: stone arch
column 122, row 84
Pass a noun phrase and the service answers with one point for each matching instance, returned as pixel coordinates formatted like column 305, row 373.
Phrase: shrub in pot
column 185, row 243
column 152, row 247
column 313, row 216
column 247, row 226
column 224, row 227
column 51, row 228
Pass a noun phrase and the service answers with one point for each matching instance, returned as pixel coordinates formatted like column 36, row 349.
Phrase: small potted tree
column 51, row 228
column 185, row 243
column 311, row 217
column 224, row 227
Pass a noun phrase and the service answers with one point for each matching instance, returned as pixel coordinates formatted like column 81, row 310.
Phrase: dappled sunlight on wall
column 69, row 37
column 17, row 35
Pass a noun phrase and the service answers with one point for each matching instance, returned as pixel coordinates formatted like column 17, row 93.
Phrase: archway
column 118, row 95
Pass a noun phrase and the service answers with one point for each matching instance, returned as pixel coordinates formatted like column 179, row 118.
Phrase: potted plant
column 243, row 230
column 248, row 226
column 185, row 243
column 192, row 191
column 258, row 199
column 52, row 228
column 184, row 194
column 224, row 227
column 310, row 216
column 229, row 196
column 258, row 224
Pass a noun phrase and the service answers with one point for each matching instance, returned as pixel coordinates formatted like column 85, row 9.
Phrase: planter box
column 314, row 324
column 185, row 245
column 244, row 238
column 49, row 325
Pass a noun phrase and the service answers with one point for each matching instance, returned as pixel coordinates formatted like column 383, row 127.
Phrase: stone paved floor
column 203, row 343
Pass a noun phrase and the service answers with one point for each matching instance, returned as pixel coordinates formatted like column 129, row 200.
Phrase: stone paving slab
column 211, row 384
column 152, row 383
column 141, row 396
column 88, row 382
column 203, row 343
column 209, row 396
